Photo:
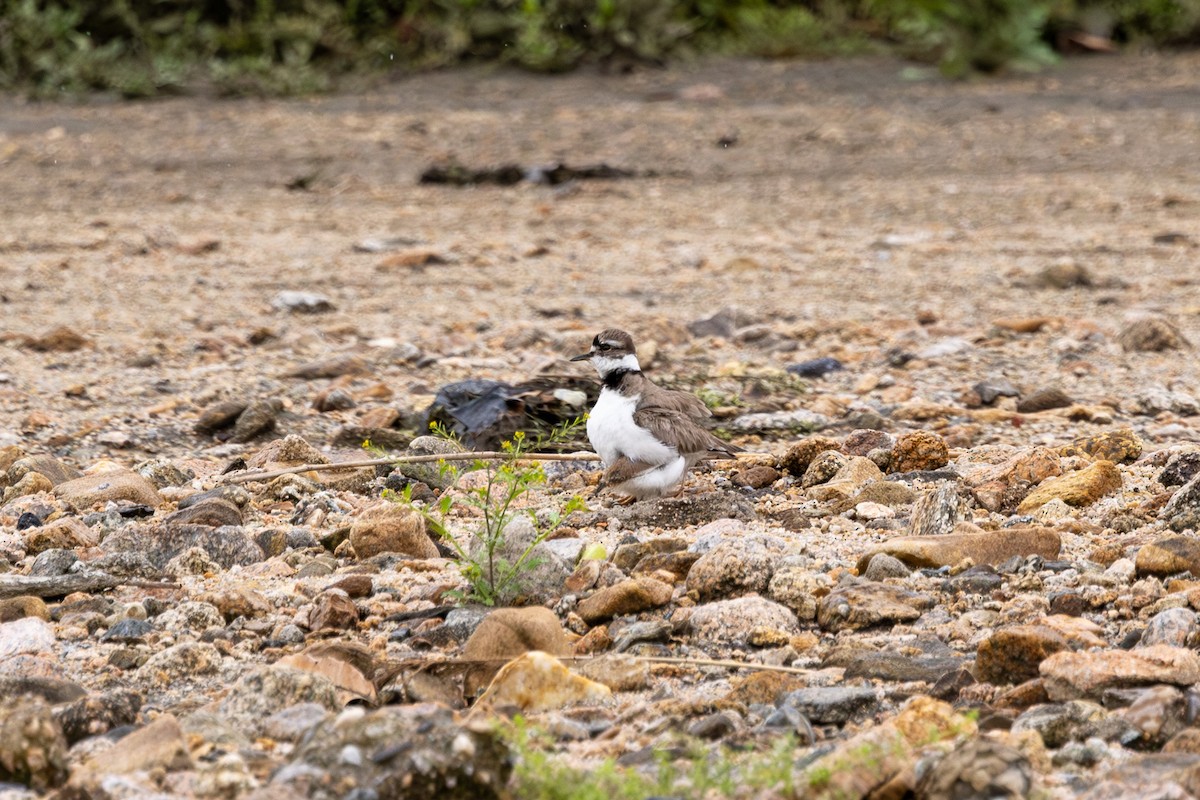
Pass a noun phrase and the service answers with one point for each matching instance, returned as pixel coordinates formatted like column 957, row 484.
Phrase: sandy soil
column 851, row 200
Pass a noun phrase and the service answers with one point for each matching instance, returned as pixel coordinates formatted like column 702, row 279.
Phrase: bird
column 647, row 437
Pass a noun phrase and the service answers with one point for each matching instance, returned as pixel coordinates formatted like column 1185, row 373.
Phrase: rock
column 991, row 390
column 190, row 616
column 1012, row 654
column 1176, row 627
column 822, row 468
column 1169, row 555
column 218, row 416
column 798, row 457
column 919, row 450
column 1030, row 466
column 129, row 631
column 1060, row 723
column 890, row 666
column 1044, row 399
column 1153, row 776
column 163, row 473
column 84, row 493
column 32, row 484
column 65, row 533
column 301, row 302
column 264, row 691
column 679, row 512
column 259, row 417
column 332, row 367
column 57, row 340
column 411, row 751
column 159, row 544
column 618, row 672
column 865, row 605
column 1121, row 446
column 506, row 633
column 1180, row 468
column 539, row 579
column 1152, row 335
column 857, row 472
column 431, row 474
column 240, row 601
column 1182, row 511
column 833, row 705
column 1069, row 675
column 936, row 512
column 537, row 681
column 980, row 768
column 759, row 476
column 179, row 663
column 1064, row 274
column 14, row 608
column 391, row 528
column 796, row 586
column 213, row 512
column 739, row 565
column 25, row 635
column 1159, row 713
column 991, row 547
column 291, row 724
column 628, row 597
column 1154, row 400
column 159, row 745
column 882, row 566
column 47, row 466
column 33, row 750
column 733, row 621
column 333, row 610
column 627, row 556
column 859, row 765
column 290, row 451
column 96, row 714
column 815, row 367
column 1077, row 489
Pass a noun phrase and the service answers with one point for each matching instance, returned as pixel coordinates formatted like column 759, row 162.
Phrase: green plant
column 689, row 771
column 492, row 575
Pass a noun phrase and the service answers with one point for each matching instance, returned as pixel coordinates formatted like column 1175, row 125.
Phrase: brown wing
column 624, row 469
column 682, row 432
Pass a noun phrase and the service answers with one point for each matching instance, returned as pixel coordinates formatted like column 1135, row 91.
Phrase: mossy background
column 146, row 47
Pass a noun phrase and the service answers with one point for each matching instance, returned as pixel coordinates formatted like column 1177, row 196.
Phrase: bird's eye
column 605, row 346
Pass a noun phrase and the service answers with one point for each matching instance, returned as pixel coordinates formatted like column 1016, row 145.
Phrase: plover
column 648, row 437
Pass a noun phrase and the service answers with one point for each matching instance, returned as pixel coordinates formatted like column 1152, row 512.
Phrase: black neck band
column 613, row 379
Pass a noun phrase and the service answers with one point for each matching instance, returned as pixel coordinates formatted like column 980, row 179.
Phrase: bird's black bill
column 582, row 357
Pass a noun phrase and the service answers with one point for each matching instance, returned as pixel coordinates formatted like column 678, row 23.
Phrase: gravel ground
column 1001, row 269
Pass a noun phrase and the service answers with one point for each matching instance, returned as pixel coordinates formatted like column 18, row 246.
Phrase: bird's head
column 612, row 351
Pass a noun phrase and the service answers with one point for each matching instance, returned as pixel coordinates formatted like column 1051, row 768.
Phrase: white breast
column 613, row 433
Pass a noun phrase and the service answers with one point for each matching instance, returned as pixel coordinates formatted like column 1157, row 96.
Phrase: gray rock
column 33, row 750
column 832, row 705
column 297, row 302
column 1159, row 713
column 410, row 751
column 292, row 723
column 882, row 566
column 795, row 585
column 431, row 474
column 265, row 691
column 891, row 666
column 736, row 566
column 979, row 768
column 1180, row 468
column 226, row 545
column 867, row 604
column 1173, row 626
column 732, row 621
column 991, row 390
column 1182, row 511
column 26, row 635
column 97, row 714
column 936, row 512
column 128, row 631
column 180, row 662
column 190, row 616
column 542, row 582
column 1075, row 720
column 1152, row 776
column 53, row 562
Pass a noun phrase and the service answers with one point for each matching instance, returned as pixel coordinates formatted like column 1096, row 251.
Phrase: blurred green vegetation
column 146, row 47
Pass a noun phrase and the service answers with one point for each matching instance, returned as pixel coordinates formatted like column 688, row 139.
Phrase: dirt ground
column 811, row 195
